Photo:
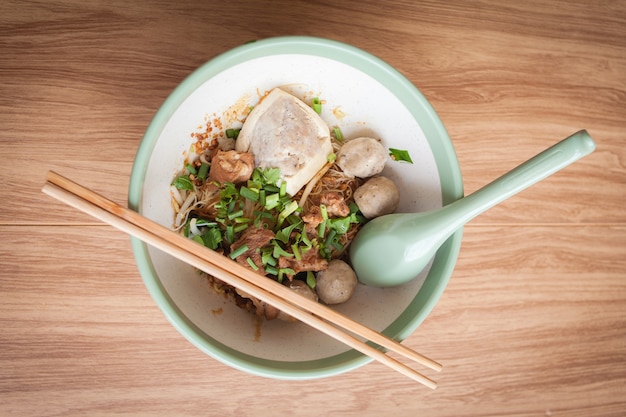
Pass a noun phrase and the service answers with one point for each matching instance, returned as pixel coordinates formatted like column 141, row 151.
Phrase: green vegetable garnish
column 246, row 192
column 321, row 229
column 400, row 155
column 284, row 271
column 252, row 264
column 323, row 212
column 289, row 209
column 232, row 133
column 296, row 251
column 183, row 183
column 239, row 251
column 338, row 134
column 236, row 214
column 191, row 169
column 317, row 105
column 310, row 279
column 284, row 233
column 212, row 238
column 279, row 251
column 262, row 202
column 204, row 169
column 269, row 176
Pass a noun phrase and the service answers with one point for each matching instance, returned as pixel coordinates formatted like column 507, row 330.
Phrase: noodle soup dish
column 274, row 154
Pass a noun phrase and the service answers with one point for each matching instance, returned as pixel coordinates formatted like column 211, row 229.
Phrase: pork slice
column 255, row 239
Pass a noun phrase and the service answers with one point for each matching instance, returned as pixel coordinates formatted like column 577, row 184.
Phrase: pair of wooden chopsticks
column 310, row 312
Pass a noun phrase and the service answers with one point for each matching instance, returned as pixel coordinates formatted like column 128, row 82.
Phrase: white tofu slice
column 283, row 132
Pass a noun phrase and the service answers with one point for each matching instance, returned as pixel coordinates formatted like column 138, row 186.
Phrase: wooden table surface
column 533, row 322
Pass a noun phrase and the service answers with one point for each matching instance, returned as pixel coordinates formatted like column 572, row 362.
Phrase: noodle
column 283, row 237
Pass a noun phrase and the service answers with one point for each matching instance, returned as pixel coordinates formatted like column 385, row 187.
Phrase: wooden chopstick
column 307, row 311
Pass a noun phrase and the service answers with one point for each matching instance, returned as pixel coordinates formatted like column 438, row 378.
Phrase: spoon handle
column 530, row 172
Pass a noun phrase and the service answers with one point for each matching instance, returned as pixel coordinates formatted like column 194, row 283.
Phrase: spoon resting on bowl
column 393, row 249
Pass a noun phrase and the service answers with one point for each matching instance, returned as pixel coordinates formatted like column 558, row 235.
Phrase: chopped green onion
column 240, row 228
column 296, row 251
column 271, row 201
column 262, row 197
column 283, row 271
column 338, row 134
column 183, row 183
column 288, row 271
column 263, row 214
column 337, row 245
column 289, row 208
column 230, row 233
column 252, row 264
column 317, row 105
column 252, row 195
column 267, row 258
column 283, row 189
column 204, row 222
column 271, row 189
column 239, row 251
column 204, row 169
column 321, row 229
column 310, row 279
column 235, row 214
column 324, row 211
column 400, row 155
column 331, row 157
column 191, row 169
column 271, row 270
column 232, row 133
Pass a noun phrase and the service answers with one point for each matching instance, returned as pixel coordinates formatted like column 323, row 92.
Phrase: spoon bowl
column 393, row 249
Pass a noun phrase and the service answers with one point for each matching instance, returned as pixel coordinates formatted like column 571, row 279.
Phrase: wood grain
column 533, row 322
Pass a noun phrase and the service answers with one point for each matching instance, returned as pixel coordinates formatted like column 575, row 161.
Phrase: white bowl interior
column 354, row 101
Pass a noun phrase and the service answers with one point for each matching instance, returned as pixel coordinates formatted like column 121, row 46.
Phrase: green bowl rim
column 449, row 174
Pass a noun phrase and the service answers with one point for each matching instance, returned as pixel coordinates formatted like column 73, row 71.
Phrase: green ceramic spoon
column 393, row 249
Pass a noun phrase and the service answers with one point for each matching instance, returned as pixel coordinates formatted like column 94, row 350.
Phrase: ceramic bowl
column 363, row 96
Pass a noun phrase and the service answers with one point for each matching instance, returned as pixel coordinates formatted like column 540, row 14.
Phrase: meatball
column 362, row 157
column 337, row 283
column 377, row 196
